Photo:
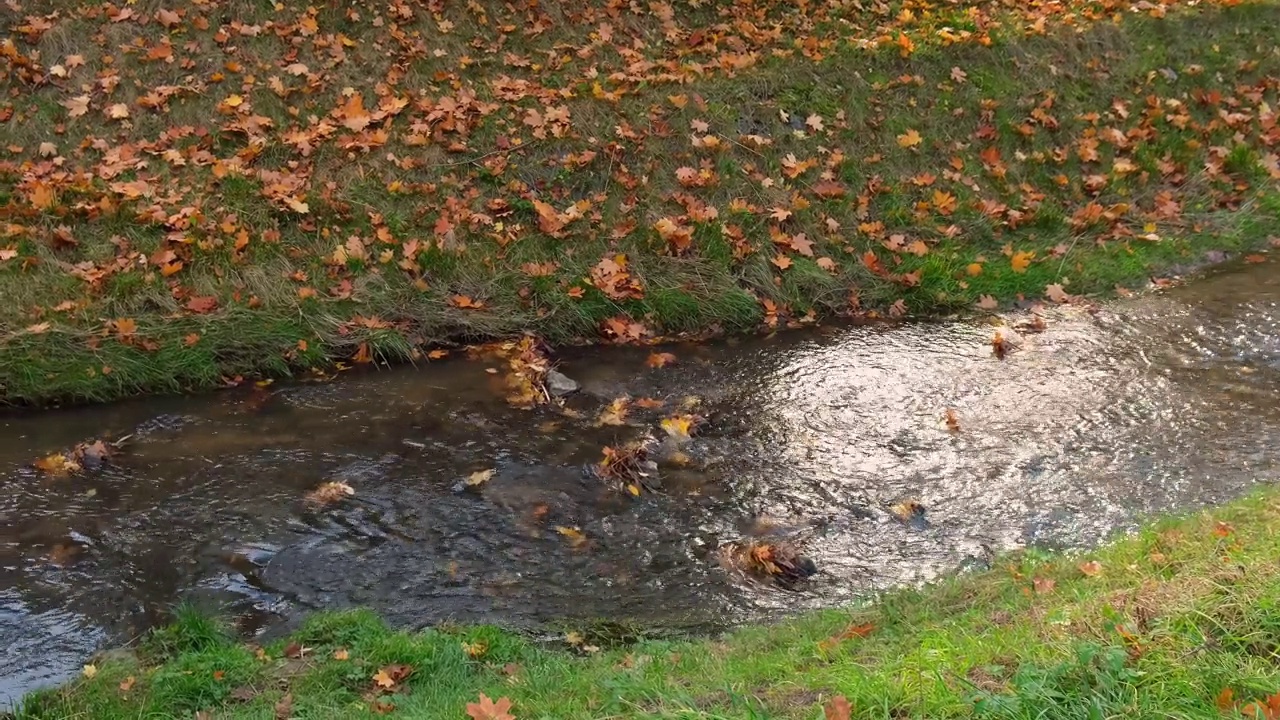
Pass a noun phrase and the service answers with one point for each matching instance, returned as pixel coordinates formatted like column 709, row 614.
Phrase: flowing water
column 1156, row 403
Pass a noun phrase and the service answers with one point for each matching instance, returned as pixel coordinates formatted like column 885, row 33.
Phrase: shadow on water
column 1147, row 405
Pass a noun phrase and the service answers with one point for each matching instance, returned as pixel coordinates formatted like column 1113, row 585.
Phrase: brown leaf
column 1255, row 258
column 487, row 709
column 952, row 420
column 1093, row 568
column 838, row 708
column 284, row 708
column 1043, row 586
column 782, row 261
column 127, row 684
column 341, row 654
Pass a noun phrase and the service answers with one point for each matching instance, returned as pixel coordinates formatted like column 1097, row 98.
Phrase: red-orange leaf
column 202, row 304
column 487, row 709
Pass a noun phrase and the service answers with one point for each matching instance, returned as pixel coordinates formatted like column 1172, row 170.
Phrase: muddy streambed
column 1150, row 404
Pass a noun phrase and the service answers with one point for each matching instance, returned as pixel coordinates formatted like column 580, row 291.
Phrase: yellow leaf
column 1021, row 261
column 480, row 477
column 574, row 535
column 89, row 670
column 909, row 139
column 341, row 654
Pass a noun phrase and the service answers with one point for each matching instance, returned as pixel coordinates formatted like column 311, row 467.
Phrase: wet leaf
column 657, row 360
column 56, row 465
column 575, row 536
column 487, row 709
column 329, row 493
column 480, row 477
column 1255, row 258
column 615, row 413
column 952, row 420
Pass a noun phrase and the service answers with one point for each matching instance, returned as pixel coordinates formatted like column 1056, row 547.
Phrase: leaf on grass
column 89, row 670
column 341, row 654
column 1093, row 568
column 838, row 708
column 127, row 684
column 202, row 304
column 1043, row 586
column 488, row 709
column 1021, row 260
column 909, row 139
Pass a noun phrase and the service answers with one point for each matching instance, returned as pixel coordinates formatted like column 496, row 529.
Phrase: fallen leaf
column 1226, row 700
column 909, row 139
column 329, row 493
column 986, row 302
column 838, row 708
column 127, row 684
column 202, row 304
column 480, row 477
column 341, row 654
column 1021, row 260
column 782, row 261
column 1091, row 568
column 574, row 535
column 89, row 670
column 953, row 422
column 284, row 708
column 488, row 709
column 1255, row 258
column 1043, row 586
column 657, row 360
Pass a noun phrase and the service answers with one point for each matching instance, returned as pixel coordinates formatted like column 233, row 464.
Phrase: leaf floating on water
column 657, row 360
column 615, row 413
column 952, row 420
column 480, row 477
column 680, row 426
column 329, row 493
column 573, row 534
column 56, row 465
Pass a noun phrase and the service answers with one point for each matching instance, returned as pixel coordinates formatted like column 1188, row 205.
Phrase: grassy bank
column 194, row 192
column 1181, row 620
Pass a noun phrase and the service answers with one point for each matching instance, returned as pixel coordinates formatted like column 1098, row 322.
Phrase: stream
column 1159, row 402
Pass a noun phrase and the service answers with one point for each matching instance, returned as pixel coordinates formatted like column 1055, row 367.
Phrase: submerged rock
column 559, row 384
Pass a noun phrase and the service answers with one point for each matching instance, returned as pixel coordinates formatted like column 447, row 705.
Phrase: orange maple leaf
column 487, row 709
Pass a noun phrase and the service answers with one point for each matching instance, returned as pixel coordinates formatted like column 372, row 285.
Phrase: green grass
column 1191, row 95
column 1155, row 624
